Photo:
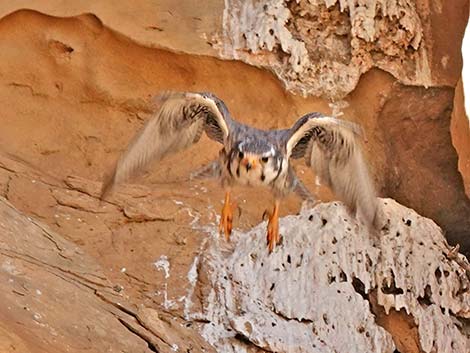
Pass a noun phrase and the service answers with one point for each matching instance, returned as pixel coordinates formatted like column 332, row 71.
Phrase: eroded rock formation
column 319, row 285
column 84, row 74
column 74, row 84
column 322, row 47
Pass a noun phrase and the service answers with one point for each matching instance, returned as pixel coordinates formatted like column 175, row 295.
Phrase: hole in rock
column 368, row 262
column 242, row 338
column 359, row 287
column 426, row 299
column 438, row 275
column 392, row 289
column 58, row 47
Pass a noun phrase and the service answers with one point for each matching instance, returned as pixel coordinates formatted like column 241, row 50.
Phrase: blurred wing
column 179, row 121
column 331, row 147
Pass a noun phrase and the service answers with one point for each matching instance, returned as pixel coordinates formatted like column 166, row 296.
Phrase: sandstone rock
column 460, row 129
column 74, row 91
column 460, row 124
column 55, row 298
column 420, row 157
column 85, row 109
column 312, row 294
column 187, row 27
column 318, row 48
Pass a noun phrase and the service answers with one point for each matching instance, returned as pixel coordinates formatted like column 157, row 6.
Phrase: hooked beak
column 248, row 163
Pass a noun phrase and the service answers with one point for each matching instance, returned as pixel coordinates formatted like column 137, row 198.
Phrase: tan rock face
column 186, row 27
column 421, row 157
column 460, row 129
column 73, row 91
column 88, row 96
column 55, row 299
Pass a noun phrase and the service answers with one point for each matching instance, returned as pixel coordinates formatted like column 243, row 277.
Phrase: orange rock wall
column 73, row 90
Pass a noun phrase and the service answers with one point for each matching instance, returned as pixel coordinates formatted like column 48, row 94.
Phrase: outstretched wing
column 178, row 122
column 331, row 147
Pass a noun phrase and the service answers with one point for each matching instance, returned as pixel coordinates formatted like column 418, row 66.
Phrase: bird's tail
column 211, row 170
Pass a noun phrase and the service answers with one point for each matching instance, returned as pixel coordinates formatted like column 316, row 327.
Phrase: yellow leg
column 226, row 218
column 273, row 228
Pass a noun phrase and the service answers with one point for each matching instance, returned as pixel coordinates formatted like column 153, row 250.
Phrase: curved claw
column 266, row 214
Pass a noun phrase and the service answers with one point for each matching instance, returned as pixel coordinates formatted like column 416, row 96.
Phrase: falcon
column 254, row 157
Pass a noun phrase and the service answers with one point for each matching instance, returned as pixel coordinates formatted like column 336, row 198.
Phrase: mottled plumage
column 254, row 157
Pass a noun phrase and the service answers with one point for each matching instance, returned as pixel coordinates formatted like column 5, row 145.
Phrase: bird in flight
column 254, row 157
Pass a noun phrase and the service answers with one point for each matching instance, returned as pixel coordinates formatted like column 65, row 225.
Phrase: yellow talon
column 226, row 218
column 273, row 237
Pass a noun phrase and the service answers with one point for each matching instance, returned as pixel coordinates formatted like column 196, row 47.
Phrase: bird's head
column 256, row 162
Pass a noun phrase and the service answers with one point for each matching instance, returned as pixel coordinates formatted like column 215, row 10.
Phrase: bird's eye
column 240, row 154
column 264, row 159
